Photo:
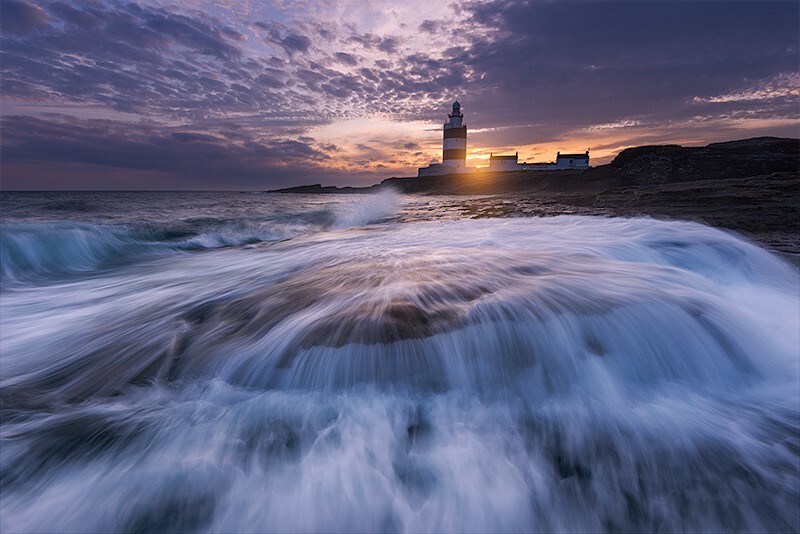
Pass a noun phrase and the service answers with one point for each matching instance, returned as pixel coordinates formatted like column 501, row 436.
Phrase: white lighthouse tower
column 454, row 147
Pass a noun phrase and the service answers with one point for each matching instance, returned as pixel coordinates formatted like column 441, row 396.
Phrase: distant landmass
column 639, row 166
column 751, row 186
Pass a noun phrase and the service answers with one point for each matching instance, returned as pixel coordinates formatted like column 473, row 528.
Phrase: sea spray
column 365, row 209
column 559, row 374
column 43, row 250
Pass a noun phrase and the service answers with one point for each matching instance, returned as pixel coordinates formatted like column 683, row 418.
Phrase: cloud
column 129, row 58
column 190, row 157
column 429, row 26
column 618, row 60
column 209, row 83
column 295, row 42
column 187, row 137
column 193, row 33
column 388, row 45
column 21, row 17
column 785, row 85
column 347, row 59
column 160, row 63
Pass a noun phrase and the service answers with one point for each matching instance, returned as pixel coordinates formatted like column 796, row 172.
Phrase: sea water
column 219, row 362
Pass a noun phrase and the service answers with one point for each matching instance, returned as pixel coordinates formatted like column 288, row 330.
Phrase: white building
column 572, row 161
column 562, row 162
column 454, row 147
column 503, row 163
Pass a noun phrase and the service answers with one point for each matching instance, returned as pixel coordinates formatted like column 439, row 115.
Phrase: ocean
column 237, row 362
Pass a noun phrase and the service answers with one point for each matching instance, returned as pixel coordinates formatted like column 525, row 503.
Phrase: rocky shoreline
column 750, row 186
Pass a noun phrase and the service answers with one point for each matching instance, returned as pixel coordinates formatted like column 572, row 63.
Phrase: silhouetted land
column 751, row 186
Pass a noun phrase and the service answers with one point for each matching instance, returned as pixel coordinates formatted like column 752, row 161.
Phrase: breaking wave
column 40, row 251
column 561, row 374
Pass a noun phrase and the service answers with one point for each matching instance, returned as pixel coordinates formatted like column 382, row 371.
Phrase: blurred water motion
column 193, row 362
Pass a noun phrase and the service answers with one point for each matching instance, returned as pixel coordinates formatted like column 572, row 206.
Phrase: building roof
column 573, row 156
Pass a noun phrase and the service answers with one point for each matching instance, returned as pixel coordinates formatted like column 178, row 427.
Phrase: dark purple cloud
column 430, row 26
column 295, row 43
column 205, row 159
column 573, row 64
column 20, row 17
column 387, row 44
column 347, row 59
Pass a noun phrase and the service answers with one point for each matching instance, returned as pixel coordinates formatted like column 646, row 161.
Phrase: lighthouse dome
column 456, row 105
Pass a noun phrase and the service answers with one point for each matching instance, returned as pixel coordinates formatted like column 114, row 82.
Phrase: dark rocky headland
column 751, row 186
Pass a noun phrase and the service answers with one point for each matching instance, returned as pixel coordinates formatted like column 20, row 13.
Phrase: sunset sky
column 239, row 94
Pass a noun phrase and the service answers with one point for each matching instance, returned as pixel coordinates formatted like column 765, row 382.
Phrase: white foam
column 563, row 374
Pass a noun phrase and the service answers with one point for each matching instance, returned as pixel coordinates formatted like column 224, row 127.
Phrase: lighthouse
column 454, row 145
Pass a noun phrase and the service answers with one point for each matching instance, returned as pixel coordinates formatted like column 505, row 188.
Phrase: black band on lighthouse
column 455, row 133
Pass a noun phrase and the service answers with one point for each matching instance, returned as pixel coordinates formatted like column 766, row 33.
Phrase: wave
column 367, row 209
column 222, row 459
column 443, row 306
column 29, row 251
column 563, row 374
column 40, row 251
